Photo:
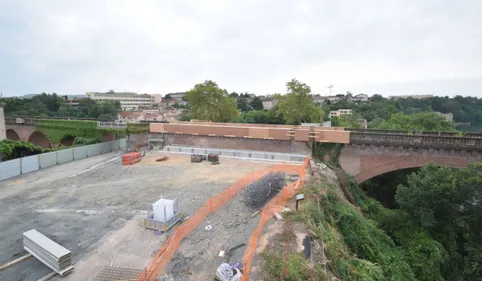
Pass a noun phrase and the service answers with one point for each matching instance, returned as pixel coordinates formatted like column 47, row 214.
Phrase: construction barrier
column 274, row 205
column 23, row 165
column 163, row 256
column 131, row 158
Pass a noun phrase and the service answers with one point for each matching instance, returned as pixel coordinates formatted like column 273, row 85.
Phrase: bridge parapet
column 426, row 141
column 418, row 132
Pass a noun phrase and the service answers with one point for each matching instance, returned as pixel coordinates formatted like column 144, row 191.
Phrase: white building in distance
column 128, row 100
column 341, row 112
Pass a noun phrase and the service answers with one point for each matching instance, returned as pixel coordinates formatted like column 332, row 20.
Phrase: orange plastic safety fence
column 274, row 205
column 163, row 256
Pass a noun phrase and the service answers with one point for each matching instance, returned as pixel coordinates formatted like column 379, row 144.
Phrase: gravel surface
column 95, row 213
column 197, row 258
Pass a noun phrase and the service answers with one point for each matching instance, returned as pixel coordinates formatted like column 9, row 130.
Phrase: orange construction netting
column 163, row 256
column 274, row 205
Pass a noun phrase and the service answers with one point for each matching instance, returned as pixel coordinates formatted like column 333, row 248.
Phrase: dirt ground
column 94, row 210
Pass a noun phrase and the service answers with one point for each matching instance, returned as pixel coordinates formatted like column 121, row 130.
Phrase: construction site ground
column 94, row 207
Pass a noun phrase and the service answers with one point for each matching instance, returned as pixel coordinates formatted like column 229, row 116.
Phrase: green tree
column 297, row 105
column 347, row 121
column 209, row 102
column 256, row 104
column 243, row 104
column 446, row 203
column 426, row 121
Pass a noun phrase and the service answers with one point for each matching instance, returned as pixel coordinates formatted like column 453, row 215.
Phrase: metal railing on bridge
column 31, row 120
column 423, row 141
column 111, row 125
column 417, row 133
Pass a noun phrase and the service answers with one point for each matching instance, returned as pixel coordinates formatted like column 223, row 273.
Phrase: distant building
column 268, row 102
column 449, row 117
column 177, row 96
column 359, row 98
column 341, row 112
column 417, row 97
column 318, row 98
column 128, row 100
column 334, row 99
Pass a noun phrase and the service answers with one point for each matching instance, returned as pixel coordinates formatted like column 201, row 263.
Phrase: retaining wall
column 16, row 167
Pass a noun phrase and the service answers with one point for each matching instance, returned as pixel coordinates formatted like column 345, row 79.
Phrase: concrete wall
column 367, row 161
column 284, row 146
column 3, row 129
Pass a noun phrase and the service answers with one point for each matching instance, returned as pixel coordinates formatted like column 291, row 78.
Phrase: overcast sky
column 386, row 47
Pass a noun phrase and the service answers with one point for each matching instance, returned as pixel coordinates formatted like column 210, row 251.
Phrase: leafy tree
column 297, row 105
column 261, row 117
column 445, row 203
column 256, row 104
column 209, row 102
column 243, row 104
column 426, row 121
column 347, row 121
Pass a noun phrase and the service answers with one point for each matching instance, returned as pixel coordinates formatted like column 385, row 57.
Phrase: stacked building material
column 48, row 252
column 258, row 193
column 131, row 158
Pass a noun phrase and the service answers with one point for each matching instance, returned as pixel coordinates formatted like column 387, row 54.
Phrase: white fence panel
column 24, row 165
column 48, row 159
column 9, row 169
column 30, row 164
column 65, row 155
column 114, row 145
column 122, row 143
column 80, row 152
column 104, row 147
column 93, row 150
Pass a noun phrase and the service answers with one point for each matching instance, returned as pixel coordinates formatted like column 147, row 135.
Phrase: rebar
column 258, row 193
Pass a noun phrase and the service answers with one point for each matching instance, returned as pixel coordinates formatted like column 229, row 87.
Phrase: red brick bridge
column 365, row 154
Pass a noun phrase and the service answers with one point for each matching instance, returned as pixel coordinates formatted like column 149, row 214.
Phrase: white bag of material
column 163, row 210
column 226, row 273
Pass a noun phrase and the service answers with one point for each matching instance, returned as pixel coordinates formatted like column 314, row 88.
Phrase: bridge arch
column 12, row 135
column 408, row 162
column 40, row 139
column 67, row 140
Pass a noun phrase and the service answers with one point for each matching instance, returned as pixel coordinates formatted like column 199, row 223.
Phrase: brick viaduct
column 365, row 153
column 24, row 129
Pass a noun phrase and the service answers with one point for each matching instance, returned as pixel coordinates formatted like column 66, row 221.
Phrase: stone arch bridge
column 375, row 152
column 24, row 129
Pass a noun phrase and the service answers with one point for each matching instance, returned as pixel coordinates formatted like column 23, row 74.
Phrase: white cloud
column 256, row 46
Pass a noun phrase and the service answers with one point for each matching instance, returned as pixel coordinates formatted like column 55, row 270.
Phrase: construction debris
column 197, row 158
column 226, row 272
column 278, row 216
column 164, row 158
column 212, row 157
column 258, row 193
column 131, row 158
column 7, row 265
